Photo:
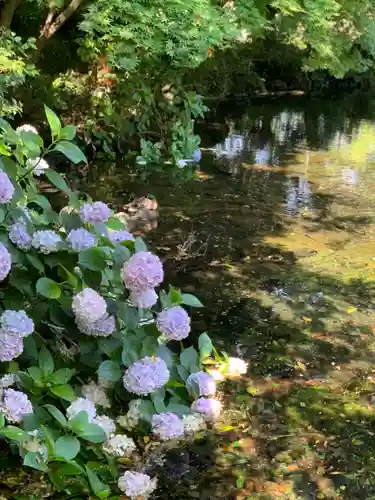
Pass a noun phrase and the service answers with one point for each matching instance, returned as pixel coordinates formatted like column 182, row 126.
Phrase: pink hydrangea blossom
column 5, row 262
column 89, row 306
column 11, row 345
column 143, row 271
column 15, row 405
column 210, row 408
column 201, row 384
column 95, row 213
column 167, row 426
column 146, row 376
column 6, row 188
column 144, row 298
column 174, row 323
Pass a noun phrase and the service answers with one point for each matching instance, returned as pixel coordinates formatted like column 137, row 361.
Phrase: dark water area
column 275, row 233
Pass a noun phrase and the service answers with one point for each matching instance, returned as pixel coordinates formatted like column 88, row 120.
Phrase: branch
column 50, row 28
column 9, row 7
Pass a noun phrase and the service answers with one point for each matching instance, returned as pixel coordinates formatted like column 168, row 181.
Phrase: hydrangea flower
column 19, row 236
column 95, row 213
column 106, row 423
column 201, row 384
column 6, row 188
column 103, row 327
column 174, row 323
column 88, row 305
column 81, row 404
column 210, row 408
column 136, row 485
column 80, row 239
column 167, row 426
column 39, row 165
column 7, row 380
column 119, row 446
column 236, row 367
column 96, row 394
column 11, row 346
column 197, row 155
column 193, row 423
column 17, row 322
column 15, row 405
column 26, row 127
column 46, row 241
column 143, row 271
column 116, row 237
column 144, row 298
column 5, row 262
column 133, row 416
column 145, row 376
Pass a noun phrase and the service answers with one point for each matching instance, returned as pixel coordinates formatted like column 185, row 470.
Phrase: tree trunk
column 51, row 26
column 7, row 12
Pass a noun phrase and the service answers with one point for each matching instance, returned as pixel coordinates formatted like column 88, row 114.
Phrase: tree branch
column 9, row 7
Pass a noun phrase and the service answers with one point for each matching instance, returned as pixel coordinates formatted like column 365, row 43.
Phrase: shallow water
column 275, row 233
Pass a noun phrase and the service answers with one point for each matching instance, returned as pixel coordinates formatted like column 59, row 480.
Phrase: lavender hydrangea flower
column 19, row 236
column 201, row 384
column 6, row 188
column 15, row 405
column 95, row 213
column 39, row 165
column 167, row 426
column 26, row 127
column 174, row 323
column 80, row 239
column 103, row 327
column 116, row 237
column 144, row 298
column 89, row 306
column 136, row 485
column 46, row 241
column 5, row 262
column 143, row 271
column 197, row 155
column 17, row 322
column 11, row 346
column 146, row 376
column 81, row 404
column 210, row 408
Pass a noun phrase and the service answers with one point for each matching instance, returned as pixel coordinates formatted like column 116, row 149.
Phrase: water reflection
column 298, row 196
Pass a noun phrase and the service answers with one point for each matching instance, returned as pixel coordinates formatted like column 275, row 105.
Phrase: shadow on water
column 275, row 233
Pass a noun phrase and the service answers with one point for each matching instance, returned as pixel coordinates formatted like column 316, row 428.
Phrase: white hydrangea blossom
column 39, row 165
column 132, row 418
column 89, row 306
column 193, row 423
column 26, row 127
column 236, row 367
column 8, row 380
column 119, row 446
column 96, row 394
column 46, row 241
column 107, row 424
column 81, row 404
column 136, row 485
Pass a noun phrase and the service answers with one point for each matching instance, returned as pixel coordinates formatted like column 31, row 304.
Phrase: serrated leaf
column 64, row 391
column 48, row 288
column 45, row 361
column 110, row 371
column 71, row 151
column 61, row 376
column 54, row 122
column 191, row 300
column 67, row 447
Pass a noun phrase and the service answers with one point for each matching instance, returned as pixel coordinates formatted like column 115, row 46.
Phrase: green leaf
column 2, row 420
column 48, row 288
column 2, row 215
column 68, row 132
column 61, row 376
column 64, row 391
column 205, row 345
column 158, row 400
column 93, row 433
column 33, row 460
column 100, row 489
column 67, row 447
column 115, row 224
column 46, row 363
column 57, row 415
column 183, row 372
column 78, row 422
column 93, row 258
column 37, row 375
column 146, row 410
column 93, row 279
column 191, row 300
column 109, row 345
column 189, row 357
column 57, row 180
column 35, row 262
column 166, row 354
column 14, row 433
column 54, row 122
column 140, row 245
column 179, row 409
column 70, row 469
column 71, row 151
column 121, row 255
column 110, row 371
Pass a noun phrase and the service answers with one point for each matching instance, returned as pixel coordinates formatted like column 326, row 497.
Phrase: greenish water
column 275, row 233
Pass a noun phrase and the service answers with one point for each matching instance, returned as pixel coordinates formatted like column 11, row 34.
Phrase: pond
column 275, row 233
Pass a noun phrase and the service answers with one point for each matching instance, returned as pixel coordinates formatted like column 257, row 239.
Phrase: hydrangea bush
column 93, row 355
